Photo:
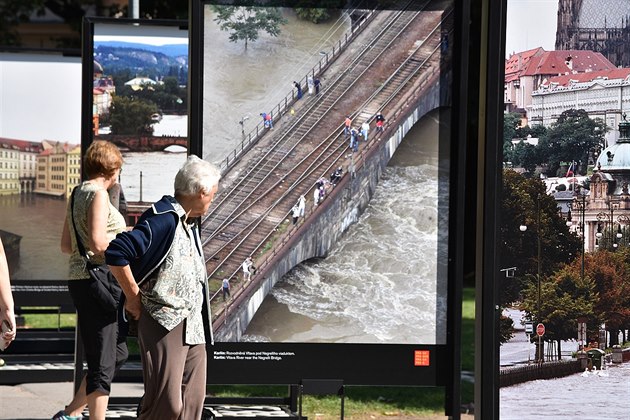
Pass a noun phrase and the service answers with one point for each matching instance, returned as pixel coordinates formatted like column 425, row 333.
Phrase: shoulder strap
column 74, row 226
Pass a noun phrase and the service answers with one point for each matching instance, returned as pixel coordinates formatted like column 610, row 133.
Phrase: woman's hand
column 8, row 327
column 133, row 306
column 124, row 276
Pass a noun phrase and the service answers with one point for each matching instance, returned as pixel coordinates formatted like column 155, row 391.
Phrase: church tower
column 596, row 25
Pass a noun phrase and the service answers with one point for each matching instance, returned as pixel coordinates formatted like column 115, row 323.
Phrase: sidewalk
column 39, row 401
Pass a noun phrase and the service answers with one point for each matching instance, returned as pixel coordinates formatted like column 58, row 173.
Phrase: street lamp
column 539, row 349
column 606, row 222
column 523, row 228
column 580, row 206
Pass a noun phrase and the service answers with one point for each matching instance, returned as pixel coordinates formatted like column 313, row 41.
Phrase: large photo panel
column 136, row 96
column 39, row 156
column 325, row 242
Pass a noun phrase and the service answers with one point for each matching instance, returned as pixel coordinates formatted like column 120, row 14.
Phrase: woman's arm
column 6, row 297
column 98, row 212
column 127, row 282
column 66, row 243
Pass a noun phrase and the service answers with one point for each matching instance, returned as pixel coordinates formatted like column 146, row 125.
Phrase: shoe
column 61, row 415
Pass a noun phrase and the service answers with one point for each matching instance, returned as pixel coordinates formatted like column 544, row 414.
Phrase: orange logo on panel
column 421, row 358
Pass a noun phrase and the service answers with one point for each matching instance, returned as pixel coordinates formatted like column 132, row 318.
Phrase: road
column 519, row 350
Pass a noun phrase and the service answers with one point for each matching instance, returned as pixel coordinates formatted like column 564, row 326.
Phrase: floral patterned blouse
column 176, row 292
column 83, row 197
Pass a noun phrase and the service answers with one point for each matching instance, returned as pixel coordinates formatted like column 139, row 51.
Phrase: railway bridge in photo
column 143, row 143
column 398, row 65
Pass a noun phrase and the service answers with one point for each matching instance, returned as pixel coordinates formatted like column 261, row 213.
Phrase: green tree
column 537, row 131
column 511, row 122
column 524, row 202
column 244, row 23
column 611, row 272
column 574, row 137
column 525, row 155
column 315, row 15
column 131, row 116
column 564, row 297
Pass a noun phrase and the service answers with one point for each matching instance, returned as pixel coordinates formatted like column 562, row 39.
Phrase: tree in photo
column 313, row 15
column 245, row 23
column 131, row 116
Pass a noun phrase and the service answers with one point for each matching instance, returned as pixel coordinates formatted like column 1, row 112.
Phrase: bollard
column 583, row 358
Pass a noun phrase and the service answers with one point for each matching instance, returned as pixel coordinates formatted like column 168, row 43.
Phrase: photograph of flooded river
column 378, row 284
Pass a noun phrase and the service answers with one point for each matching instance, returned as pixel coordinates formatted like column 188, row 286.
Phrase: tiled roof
column 556, row 63
column 518, row 62
column 22, row 145
column 614, row 74
column 59, row 148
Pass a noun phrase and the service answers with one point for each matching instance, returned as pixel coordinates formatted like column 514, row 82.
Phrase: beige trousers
column 174, row 373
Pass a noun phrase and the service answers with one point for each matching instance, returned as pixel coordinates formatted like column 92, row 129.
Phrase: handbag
column 102, row 284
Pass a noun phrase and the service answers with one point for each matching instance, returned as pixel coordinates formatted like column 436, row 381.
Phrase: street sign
column 529, row 328
column 540, row 329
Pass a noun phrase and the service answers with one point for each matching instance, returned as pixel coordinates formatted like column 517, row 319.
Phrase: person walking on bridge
column 311, row 84
column 302, row 205
column 299, row 89
column 380, row 121
column 226, row 289
column 365, row 129
column 354, row 139
column 248, row 266
column 295, row 213
column 347, row 125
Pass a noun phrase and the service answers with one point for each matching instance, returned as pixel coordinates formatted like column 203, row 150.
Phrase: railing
column 285, row 104
column 547, row 370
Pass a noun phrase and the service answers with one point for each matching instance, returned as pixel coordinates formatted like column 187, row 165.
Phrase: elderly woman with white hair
column 160, row 267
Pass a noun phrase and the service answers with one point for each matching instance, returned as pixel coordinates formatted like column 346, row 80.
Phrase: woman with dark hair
column 92, row 219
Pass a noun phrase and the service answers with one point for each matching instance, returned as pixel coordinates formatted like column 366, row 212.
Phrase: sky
column 147, row 40
column 40, row 97
column 37, row 109
column 530, row 24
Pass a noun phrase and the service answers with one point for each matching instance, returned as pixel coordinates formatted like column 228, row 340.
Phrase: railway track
column 249, row 213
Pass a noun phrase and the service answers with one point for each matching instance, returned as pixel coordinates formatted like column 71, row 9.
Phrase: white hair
column 195, row 176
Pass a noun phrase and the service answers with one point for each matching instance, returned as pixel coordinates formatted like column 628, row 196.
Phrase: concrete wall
column 332, row 218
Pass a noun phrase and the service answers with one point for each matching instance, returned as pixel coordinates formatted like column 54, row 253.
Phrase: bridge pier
column 324, row 227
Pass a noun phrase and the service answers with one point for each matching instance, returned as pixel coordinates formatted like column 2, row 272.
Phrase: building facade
column 525, row 72
column 602, row 214
column 58, row 170
column 18, row 165
column 602, row 94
